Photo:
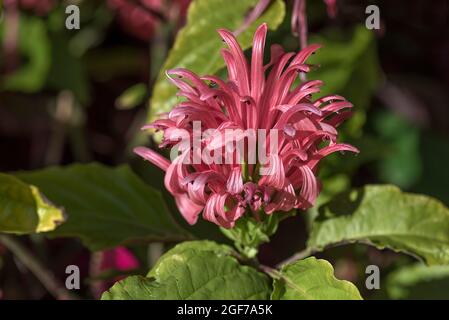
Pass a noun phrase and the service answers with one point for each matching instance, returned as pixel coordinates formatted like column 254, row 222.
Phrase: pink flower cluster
column 255, row 96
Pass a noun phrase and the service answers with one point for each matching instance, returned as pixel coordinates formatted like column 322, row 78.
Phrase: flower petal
column 309, row 189
column 234, row 184
column 189, row 210
column 152, row 156
column 274, row 175
column 328, row 150
column 257, row 69
column 241, row 65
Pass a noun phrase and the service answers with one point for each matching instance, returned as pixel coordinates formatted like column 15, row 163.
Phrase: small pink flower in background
column 39, row 7
column 136, row 17
column 141, row 18
column 331, row 8
column 117, row 259
column 255, row 96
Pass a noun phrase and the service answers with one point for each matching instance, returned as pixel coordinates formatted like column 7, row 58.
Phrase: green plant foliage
column 248, row 233
column 34, row 45
column 418, row 282
column 195, row 270
column 348, row 66
column 23, row 209
column 434, row 155
column 106, row 206
column 386, row 217
column 312, row 279
column 67, row 72
column 197, row 46
column 132, row 97
column 402, row 165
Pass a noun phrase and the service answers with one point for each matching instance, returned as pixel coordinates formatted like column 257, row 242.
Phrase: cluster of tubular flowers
column 255, row 96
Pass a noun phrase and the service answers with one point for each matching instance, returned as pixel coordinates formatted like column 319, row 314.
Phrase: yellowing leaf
column 23, row 208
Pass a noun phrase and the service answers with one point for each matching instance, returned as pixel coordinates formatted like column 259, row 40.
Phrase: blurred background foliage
column 78, row 96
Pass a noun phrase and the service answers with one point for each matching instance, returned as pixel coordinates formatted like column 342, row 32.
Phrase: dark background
column 400, row 88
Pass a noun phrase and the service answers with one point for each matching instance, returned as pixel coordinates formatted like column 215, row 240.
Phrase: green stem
column 245, row 171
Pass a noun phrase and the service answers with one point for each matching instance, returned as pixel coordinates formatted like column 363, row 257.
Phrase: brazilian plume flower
column 257, row 97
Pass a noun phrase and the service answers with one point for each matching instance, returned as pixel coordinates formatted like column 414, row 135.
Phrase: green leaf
column 34, row 45
column 204, row 245
column 193, row 271
column 197, row 46
column 23, row 209
column 312, row 279
column 132, row 97
column 106, row 206
column 419, row 282
column 384, row 216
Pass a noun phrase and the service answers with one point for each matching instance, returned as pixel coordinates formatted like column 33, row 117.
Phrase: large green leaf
column 204, row 245
column 312, row 279
column 192, row 271
column 23, row 209
column 106, row 206
column 384, row 216
column 418, row 282
column 197, row 46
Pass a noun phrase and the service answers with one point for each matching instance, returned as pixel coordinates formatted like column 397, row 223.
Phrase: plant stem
column 255, row 13
column 299, row 26
column 275, row 274
column 62, row 115
column 297, row 256
column 47, row 279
